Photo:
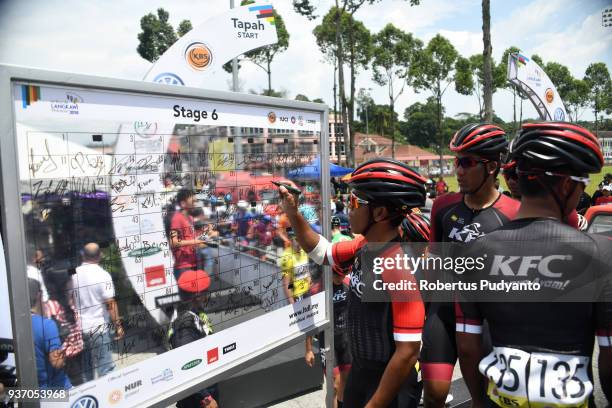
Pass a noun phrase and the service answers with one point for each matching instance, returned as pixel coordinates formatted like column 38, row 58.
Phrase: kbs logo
column 212, row 355
column 271, row 117
column 550, row 95
column 198, row 56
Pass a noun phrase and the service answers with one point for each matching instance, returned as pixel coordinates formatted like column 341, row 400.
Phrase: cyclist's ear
column 492, row 167
column 380, row 214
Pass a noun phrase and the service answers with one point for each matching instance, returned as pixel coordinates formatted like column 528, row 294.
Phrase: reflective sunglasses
column 356, row 202
column 467, row 162
column 583, row 180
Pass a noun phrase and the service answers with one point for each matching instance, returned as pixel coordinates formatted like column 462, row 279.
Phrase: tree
column 502, row 69
column 184, row 27
column 469, row 80
column 394, row 55
column 300, row 97
column 597, row 78
column 157, row 35
column 421, row 122
column 306, row 8
column 577, row 98
column 356, row 50
column 434, row 72
column 487, row 61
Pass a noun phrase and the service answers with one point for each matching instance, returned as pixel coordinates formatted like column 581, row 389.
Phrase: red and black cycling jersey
column 573, row 263
column 340, row 302
column 374, row 327
column 453, row 221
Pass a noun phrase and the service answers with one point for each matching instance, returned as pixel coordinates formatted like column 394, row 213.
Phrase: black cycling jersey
column 453, row 221
column 542, row 344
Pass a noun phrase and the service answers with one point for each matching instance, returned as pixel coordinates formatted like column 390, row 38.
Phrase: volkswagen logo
column 86, row 401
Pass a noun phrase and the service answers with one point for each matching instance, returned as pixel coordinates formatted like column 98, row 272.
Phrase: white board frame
column 14, row 231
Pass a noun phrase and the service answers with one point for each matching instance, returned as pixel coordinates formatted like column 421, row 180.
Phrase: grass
column 595, row 180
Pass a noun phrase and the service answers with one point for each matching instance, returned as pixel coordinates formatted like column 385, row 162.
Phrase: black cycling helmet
column 389, row 183
column 415, row 228
column 482, row 139
column 557, row 146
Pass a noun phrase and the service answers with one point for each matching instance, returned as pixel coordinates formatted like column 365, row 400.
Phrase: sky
column 99, row 37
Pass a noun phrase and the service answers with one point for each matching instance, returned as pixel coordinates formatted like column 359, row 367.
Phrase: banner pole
column 234, row 64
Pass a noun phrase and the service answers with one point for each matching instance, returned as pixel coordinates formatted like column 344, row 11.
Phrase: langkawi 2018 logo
column 69, row 105
column 198, row 56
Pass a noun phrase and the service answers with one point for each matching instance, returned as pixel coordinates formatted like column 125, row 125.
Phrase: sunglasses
column 467, row 162
column 578, row 179
column 356, row 202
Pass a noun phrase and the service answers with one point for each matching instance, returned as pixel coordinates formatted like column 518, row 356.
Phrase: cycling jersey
column 294, row 264
column 453, row 221
column 341, row 348
column 542, row 349
column 374, row 327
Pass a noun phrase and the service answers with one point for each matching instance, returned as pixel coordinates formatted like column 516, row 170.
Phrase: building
column 605, row 138
column 370, row 146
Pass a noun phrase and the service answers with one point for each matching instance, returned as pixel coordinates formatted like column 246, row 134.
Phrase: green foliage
column 300, row 97
column 354, row 35
column 157, row 35
column 597, row 78
column 184, row 27
column 421, row 123
column 435, row 65
column 395, row 53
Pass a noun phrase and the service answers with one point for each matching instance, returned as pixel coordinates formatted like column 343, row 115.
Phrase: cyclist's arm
column 408, row 320
column 306, row 237
column 470, row 350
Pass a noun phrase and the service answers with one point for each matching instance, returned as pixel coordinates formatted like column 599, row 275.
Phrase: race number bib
column 537, row 380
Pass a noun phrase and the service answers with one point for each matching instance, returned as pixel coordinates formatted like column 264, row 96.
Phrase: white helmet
column 243, row 204
column 583, row 224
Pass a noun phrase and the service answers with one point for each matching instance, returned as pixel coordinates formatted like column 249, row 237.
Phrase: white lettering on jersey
column 466, row 234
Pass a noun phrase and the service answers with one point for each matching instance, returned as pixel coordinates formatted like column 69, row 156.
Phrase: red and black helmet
column 415, row 228
column 389, row 183
column 482, row 139
column 557, row 146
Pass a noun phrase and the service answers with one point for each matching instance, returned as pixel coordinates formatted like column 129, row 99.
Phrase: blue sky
column 99, row 37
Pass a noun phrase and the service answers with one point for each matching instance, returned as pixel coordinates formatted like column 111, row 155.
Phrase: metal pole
column 367, row 124
column 234, row 64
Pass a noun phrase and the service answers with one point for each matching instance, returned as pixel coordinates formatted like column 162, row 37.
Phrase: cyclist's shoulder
column 445, row 201
column 507, row 205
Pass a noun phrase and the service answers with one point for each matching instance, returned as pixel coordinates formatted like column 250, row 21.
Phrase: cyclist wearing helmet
column 415, row 228
column 462, row 217
column 542, row 351
column 384, row 336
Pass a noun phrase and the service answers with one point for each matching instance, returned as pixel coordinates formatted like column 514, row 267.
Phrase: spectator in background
column 48, row 351
column 183, row 241
column 344, row 221
column 94, row 295
column 242, row 222
column 441, row 187
column 34, row 271
column 295, row 270
column 193, row 324
column 336, row 232
column 583, row 203
column 605, row 197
